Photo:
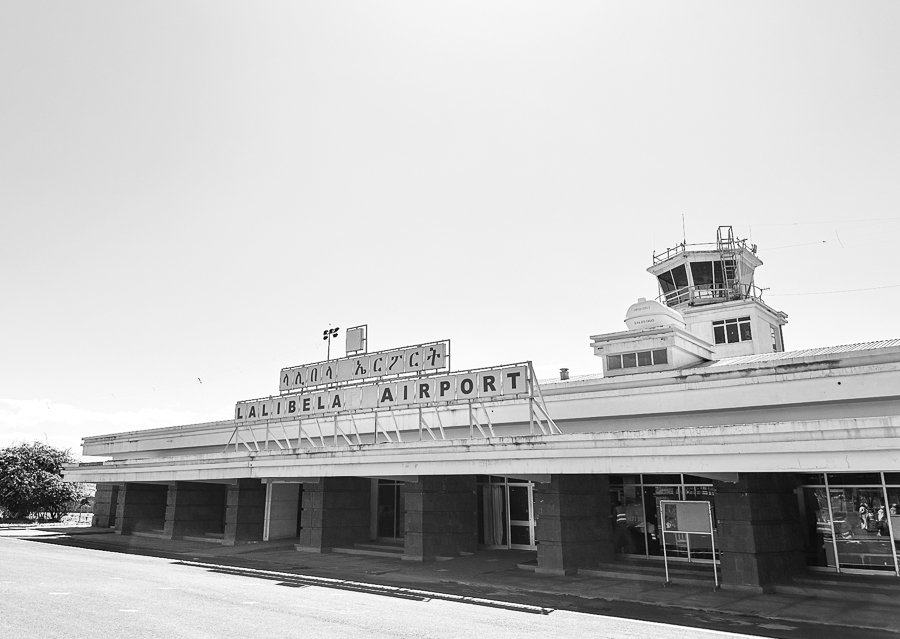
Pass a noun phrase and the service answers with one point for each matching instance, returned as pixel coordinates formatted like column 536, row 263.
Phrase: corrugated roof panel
column 808, row 352
column 761, row 358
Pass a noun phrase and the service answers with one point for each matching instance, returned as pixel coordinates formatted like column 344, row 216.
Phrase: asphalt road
column 49, row 591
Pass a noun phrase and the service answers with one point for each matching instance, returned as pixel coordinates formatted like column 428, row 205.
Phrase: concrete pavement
column 851, row 606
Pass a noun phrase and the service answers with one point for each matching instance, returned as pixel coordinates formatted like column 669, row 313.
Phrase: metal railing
column 706, row 294
column 726, row 246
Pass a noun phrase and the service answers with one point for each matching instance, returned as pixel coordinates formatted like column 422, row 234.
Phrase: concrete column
column 441, row 518
column 573, row 526
column 335, row 513
column 105, row 504
column 195, row 508
column 759, row 531
column 245, row 507
column 141, row 507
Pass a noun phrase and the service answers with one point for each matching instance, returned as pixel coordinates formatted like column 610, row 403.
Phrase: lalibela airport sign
column 403, row 377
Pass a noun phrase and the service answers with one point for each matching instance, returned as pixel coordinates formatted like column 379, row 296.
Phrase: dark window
column 679, row 274
column 744, row 325
column 892, row 478
column 853, row 479
column 717, row 273
column 702, row 272
column 719, row 332
column 666, row 281
column 732, row 330
column 662, row 479
column 634, row 360
column 812, row 479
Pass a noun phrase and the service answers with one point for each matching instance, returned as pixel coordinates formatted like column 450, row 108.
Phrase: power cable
column 849, row 290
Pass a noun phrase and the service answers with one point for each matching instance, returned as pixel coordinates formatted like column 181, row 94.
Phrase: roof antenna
column 683, row 232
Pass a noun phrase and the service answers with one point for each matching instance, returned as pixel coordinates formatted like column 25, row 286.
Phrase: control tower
column 712, row 286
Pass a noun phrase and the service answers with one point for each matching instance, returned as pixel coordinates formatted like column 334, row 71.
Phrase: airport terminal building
column 793, row 455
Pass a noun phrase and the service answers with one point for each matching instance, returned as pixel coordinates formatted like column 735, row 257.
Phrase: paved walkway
column 863, row 603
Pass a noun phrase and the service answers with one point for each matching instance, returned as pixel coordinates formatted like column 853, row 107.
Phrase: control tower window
column 702, row 273
column 674, row 284
column 634, row 360
column 731, row 331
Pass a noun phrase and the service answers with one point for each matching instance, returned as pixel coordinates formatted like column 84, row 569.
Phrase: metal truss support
column 239, row 440
column 383, row 431
column 396, row 427
column 339, row 431
column 270, row 436
column 475, row 423
column 537, row 407
column 423, row 425
column 301, row 433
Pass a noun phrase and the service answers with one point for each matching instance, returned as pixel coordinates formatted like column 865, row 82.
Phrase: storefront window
column 893, row 495
column 820, row 542
column 852, row 522
column 636, row 504
column 861, row 528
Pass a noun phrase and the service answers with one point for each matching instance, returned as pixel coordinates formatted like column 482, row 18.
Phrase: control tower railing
column 717, row 247
column 707, row 294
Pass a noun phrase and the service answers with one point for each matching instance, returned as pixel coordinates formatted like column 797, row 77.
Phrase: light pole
column 327, row 334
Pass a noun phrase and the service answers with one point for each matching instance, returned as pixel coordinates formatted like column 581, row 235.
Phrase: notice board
column 687, row 516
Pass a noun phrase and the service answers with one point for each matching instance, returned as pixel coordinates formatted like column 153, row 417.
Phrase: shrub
column 31, row 480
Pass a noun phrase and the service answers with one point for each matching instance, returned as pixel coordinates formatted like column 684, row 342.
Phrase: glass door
column 505, row 513
column 521, row 516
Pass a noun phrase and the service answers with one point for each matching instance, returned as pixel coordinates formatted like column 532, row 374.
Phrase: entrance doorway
column 506, row 513
column 389, row 510
column 284, row 505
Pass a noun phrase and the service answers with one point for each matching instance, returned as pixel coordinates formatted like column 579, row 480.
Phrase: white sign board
column 356, row 368
column 687, row 516
column 684, row 518
column 501, row 382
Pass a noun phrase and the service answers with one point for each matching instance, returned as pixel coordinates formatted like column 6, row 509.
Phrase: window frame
column 733, row 330
column 658, row 357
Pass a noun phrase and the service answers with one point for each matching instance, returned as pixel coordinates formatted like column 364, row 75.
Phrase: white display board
column 687, row 517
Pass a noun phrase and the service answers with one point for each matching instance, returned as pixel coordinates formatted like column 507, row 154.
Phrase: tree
column 31, row 480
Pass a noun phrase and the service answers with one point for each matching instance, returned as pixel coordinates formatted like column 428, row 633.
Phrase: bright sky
column 195, row 190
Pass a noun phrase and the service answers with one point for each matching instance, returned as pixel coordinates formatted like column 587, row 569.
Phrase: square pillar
column 441, row 518
column 141, row 507
column 573, row 526
column 335, row 513
column 759, row 531
column 195, row 508
column 245, row 506
column 105, row 505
